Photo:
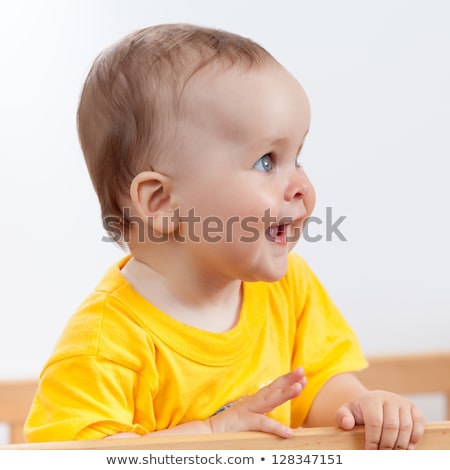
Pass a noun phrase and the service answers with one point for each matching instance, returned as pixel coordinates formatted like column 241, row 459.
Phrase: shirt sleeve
column 89, row 398
column 324, row 345
column 100, row 379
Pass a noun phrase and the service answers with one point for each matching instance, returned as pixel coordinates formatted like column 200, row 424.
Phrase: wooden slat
column 16, row 398
column 15, row 401
column 412, row 373
column 437, row 436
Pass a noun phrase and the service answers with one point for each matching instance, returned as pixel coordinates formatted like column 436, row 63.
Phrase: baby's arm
column 247, row 414
column 391, row 421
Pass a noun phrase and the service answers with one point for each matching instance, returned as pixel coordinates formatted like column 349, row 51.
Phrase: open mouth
column 277, row 233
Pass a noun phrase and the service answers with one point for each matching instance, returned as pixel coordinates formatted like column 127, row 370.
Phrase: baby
column 192, row 138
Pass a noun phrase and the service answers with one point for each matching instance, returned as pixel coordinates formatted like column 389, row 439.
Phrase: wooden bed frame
column 404, row 374
column 436, row 437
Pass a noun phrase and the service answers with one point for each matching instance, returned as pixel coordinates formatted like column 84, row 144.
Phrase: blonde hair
column 129, row 104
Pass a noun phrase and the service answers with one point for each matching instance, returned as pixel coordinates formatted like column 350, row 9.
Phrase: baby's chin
column 272, row 273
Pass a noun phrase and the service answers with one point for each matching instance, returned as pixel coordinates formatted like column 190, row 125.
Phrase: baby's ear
column 150, row 195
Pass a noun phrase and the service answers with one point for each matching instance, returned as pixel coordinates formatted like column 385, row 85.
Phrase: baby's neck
column 200, row 302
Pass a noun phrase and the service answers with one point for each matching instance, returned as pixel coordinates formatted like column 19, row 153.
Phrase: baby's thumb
column 345, row 418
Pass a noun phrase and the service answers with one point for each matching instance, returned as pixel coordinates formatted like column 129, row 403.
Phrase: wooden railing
column 437, row 436
column 15, row 401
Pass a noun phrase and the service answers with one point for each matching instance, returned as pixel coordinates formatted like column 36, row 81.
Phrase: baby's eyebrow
column 275, row 141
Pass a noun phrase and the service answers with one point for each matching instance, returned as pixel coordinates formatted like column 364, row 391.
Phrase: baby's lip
column 284, row 230
column 277, row 233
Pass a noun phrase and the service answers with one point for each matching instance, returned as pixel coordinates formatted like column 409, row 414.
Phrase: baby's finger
column 264, row 424
column 294, row 376
column 345, row 417
column 418, row 427
column 373, row 420
column 405, row 428
column 282, row 389
column 391, row 434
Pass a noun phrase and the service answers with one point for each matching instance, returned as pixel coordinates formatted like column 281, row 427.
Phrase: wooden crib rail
column 16, row 397
column 437, row 436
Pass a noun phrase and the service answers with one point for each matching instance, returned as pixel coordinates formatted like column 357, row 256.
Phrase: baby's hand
column 391, row 421
column 248, row 414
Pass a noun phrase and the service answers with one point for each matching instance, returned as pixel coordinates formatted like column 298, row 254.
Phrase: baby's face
column 238, row 170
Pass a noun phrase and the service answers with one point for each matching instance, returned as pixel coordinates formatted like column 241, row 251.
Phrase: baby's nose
column 298, row 185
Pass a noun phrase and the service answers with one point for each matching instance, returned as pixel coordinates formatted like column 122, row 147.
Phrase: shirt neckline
column 193, row 343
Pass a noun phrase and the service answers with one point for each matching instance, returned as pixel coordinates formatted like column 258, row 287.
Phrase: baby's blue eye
column 264, row 163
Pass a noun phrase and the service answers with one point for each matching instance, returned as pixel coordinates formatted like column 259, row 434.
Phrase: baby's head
column 131, row 105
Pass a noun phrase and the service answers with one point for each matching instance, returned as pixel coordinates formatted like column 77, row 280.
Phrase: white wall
column 378, row 76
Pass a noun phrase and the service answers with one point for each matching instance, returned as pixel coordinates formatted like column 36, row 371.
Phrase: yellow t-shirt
column 122, row 365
